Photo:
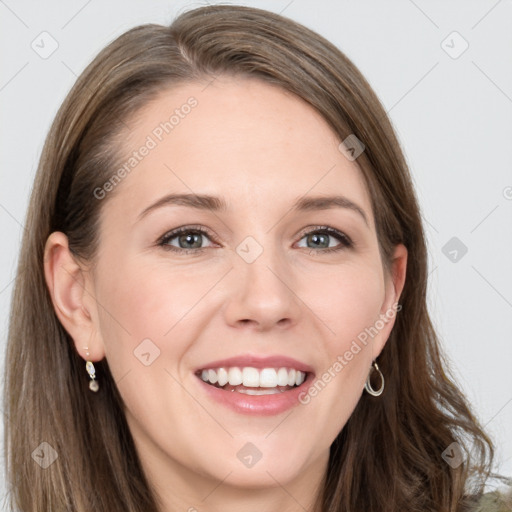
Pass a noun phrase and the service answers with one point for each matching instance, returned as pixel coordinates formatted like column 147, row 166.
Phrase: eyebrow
column 217, row 204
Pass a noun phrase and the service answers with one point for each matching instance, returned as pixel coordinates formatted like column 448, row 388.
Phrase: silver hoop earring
column 93, row 384
column 368, row 385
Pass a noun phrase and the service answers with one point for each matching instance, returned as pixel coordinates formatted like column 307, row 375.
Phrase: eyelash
column 346, row 242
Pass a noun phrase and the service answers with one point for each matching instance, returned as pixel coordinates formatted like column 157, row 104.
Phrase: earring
column 368, row 385
column 93, row 384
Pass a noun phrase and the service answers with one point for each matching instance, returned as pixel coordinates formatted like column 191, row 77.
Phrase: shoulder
column 495, row 501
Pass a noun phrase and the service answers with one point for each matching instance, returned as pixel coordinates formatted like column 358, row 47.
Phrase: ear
column 72, row 294
column 394, row 283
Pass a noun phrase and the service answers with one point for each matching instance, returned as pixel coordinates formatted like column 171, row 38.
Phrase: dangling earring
column 368, row 385
column 93, row 384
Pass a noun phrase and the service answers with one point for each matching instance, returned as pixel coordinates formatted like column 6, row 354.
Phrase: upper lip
column 255, row 361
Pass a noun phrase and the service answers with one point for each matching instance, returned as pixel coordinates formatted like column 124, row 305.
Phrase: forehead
column 247, row 140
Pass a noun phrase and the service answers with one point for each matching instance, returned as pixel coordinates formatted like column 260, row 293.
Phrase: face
column 256, row 278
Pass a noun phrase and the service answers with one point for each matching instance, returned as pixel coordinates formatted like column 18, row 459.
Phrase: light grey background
column 453, row 117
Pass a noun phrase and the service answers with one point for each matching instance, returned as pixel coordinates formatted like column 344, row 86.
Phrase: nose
column 263, row 294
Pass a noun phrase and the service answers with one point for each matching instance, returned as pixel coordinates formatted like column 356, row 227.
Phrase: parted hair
column 389, row 455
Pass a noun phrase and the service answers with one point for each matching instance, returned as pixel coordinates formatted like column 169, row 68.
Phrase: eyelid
column 337, row 233
column 185, row 229
column 344, row 240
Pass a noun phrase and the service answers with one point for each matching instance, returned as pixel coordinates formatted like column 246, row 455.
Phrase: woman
column 250, row 370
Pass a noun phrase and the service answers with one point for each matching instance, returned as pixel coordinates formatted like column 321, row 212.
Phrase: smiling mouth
column 253, row 381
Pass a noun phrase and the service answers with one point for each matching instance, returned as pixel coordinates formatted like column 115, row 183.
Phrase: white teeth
column 282, row 377
column 268, row 378
column 235, row 376
column 222, row 376
column 212, row 376
column 272, row 391
column 254, row 377
column 251, row 377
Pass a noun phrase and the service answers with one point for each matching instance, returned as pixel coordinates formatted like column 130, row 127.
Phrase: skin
column 260, row 148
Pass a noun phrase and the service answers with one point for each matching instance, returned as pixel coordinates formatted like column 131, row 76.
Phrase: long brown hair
column 389, row 455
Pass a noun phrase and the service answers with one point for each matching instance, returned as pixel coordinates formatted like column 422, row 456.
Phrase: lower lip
column 262, row 405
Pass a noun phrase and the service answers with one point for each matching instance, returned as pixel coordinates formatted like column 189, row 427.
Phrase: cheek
column 152, row 314
column 349, row 301
column 349, row 305
column 148, row 301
